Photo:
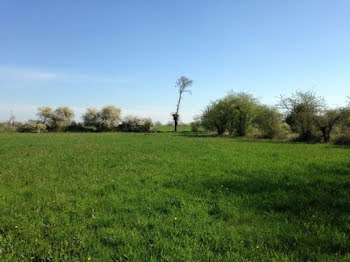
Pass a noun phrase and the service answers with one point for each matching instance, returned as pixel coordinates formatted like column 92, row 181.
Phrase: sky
column 130, row 53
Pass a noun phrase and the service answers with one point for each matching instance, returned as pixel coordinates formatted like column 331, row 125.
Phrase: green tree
column 268, row 120
column 302, row 109
column 241, row 109
column 326, row 122
column 214, row 117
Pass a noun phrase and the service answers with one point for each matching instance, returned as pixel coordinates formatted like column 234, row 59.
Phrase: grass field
column 171, row 197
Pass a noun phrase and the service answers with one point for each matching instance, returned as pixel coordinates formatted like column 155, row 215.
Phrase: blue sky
column 130, row 53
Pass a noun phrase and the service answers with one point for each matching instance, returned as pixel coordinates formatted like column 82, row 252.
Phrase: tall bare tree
column 183, row 84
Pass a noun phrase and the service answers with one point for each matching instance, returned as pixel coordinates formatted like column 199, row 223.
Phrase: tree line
column 303, row 116
column 303, row 113
column 94, row 120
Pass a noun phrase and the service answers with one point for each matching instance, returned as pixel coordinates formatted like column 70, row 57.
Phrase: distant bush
column 79, row 127
column 234, row 113
column 136, row 124
column 302, row 109
column 196, row 124
column 107, row 119
column 56, row 120
column 268, row 121
column 32, row 126
column 9, row 128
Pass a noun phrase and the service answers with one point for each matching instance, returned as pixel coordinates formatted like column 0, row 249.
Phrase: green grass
column 171, row 197
column 166, row 128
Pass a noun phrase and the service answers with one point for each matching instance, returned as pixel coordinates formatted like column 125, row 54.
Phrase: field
column 171, row 197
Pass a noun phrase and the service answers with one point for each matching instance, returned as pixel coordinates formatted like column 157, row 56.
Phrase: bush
column 107, row 119
column 235, row 113
column 342, row 140
column 196, row 124
column 32, row 126
column 9, row 128
column 79, row 127
column 268, row 121
column 136, row 124
column 302, row 109
column 56, row 120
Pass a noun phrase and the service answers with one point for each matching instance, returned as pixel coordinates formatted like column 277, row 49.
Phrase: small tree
column 268, row 120
column 240, row 112
column 109, row 117
column 183, row 84
column 326, row 122
column 45, row 114
column 302, row 109
column 55, row 120
column 214, row 117
column 91, row 117
column 63, row 116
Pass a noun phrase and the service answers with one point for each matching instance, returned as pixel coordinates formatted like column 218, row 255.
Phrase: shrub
column 107, row 119
column 326, row 122
column 56, row 120
column 10, row 128
column 268, row 121
column 79, row 127
column 214, row 117
column 302, row 109
column 91, row 117
column 32, row 126
column 235, row 113
column 343, row 139
column 195, row 125
column 136, row 124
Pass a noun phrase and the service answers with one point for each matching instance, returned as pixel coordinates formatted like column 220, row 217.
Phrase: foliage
column 235, row 113
column 240, row 110
column 106, row 119
column 214, row 117
column 55, row 120
column 268, row 120
column 136, row 124
column 63, row 116
column 79, row 127
column 91, row 117
column 110, row 117
column 326, row 122
column 302, row 109
column 32, row 126
column 171, row 197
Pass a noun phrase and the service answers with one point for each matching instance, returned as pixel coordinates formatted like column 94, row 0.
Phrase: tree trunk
column 175, row 125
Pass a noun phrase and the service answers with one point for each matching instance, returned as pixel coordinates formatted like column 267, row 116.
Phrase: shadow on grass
column 236, row 139
column 312, row 210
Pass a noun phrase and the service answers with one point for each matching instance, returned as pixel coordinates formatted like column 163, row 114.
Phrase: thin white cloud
column 19, row 73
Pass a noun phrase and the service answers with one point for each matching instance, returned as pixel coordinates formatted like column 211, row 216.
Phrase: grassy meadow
column 171, row 197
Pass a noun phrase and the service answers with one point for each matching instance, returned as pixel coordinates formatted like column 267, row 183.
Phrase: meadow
column 171, row 197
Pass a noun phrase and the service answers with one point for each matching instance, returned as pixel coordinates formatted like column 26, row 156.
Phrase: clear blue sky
column 130, row 53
